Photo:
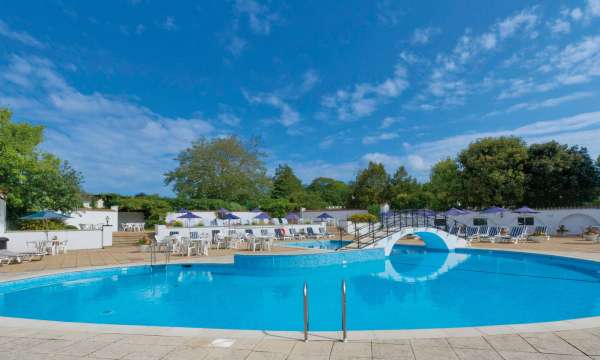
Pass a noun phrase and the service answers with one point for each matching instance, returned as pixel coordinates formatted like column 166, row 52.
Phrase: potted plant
column 538, row 236
column 561, row 230
column 144, row 244
column 590, row 234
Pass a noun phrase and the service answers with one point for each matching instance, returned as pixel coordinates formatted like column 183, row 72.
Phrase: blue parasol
column 526, row 210
column 455, row 212
column 493, row 210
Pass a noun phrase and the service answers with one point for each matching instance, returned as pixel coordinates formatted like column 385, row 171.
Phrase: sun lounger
column 312, row 234
column 296, row 234
column 491, row 236
column 324, row 233
column 515, row 234
column 281, row 235
column 471, row 233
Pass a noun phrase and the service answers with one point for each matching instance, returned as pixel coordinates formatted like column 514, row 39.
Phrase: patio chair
column 296, row 234
column 491, row 236
column 312, row 234
column 471, row 233
column 515, row 234
column 324, row 233
column 284, row 221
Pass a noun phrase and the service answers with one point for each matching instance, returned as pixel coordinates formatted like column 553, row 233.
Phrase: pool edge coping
column 536, row 327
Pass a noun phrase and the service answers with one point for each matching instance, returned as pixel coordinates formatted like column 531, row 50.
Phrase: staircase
column 436, row 230
column 127, row 238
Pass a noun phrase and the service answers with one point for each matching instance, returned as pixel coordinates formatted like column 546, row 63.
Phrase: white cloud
column 523, row 21
column 260, row 18
column 389, row 121
column 309, row 79
column 447, row 85
column 169, row 24
column 372, row 139
column 423, row 36
column 227, row 117
column 593, row 8
column 560, row 26
column 20, row 36
column 287, row 115
column 364, row 98
column 118, row 144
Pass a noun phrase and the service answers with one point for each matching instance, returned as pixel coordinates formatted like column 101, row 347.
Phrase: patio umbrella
column 222, row 212
column 45, row 216
column 256, row 210
column 494, row 210
column 324, row 217
column 262, row 216
column 292, row 217
column 526, row 210
column 189, row 216
column 455, row 212
column 230, row 216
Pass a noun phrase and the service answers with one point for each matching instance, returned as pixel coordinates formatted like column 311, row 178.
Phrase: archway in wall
column 576, row 223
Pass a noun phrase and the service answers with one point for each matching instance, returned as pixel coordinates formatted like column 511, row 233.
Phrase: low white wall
column 162, row 230
column 94, row 217
column 207, row 218
column 76, row 240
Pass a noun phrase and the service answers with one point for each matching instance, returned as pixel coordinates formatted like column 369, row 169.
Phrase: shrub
column 362, row 218
column 41, row 225
column 176, row 223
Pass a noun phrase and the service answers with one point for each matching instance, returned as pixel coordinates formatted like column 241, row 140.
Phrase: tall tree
column 445, row 187
column 492, row 171
column 285, row 183
column 558, row 175
column 31, row 178
column 332, row 191
column 221, row 168
column 405, row 192
column 371, row 186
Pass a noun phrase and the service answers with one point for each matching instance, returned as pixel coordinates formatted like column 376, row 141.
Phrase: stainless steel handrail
column 305, row 291
column 344, row 332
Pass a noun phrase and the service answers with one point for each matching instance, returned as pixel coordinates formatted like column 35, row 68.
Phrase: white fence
column 76, row 239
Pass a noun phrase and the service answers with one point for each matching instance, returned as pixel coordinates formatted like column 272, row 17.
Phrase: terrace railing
column 395, row 221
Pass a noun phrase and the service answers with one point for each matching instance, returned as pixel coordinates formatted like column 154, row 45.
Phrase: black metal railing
column 395, row 221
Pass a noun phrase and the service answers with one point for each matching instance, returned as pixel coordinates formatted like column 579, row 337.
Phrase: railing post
column 344, row 332
column 305, row 291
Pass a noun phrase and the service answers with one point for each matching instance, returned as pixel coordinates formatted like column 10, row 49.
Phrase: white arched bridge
column 436, row 231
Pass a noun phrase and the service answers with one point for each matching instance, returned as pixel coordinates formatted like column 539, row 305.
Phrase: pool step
column 122, row 238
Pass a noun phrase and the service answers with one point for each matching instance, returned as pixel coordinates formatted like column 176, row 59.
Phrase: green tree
column 32, row 179
column 221, row 168
column 307, row 199
column 285, row 183
column 371, row 186
column 558, row 175
column 444, row 186
column 492, row 171
column 332, row 191
column 405, row 192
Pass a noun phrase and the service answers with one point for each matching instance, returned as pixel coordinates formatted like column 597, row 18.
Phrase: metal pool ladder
column 305, row 298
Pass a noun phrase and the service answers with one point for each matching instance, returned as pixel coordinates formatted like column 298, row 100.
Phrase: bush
column 41, row 225
column 362, row 218
column 176, row 223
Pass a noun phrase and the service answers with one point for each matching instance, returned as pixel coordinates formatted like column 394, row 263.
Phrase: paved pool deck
column 34, row 339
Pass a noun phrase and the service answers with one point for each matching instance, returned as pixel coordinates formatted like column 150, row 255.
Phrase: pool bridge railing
column 402, row 222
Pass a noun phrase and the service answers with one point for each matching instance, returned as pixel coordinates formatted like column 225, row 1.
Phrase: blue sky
column 123, row 86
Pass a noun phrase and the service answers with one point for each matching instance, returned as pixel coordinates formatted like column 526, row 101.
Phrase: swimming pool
column 319, row 244
column 413, row 288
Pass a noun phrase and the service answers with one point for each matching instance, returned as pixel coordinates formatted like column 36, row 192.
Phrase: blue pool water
column 413, row 288
column 319, row 244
